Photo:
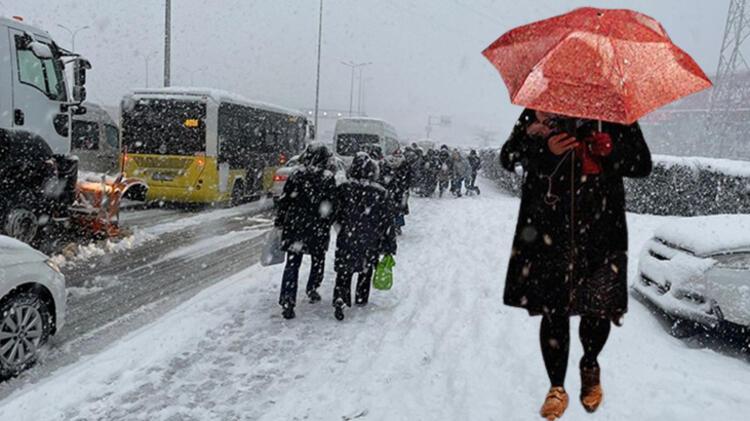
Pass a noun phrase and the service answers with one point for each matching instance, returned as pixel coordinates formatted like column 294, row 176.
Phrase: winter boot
column 338, row 311
column 591, row 388
column 555, row 404
column 313, row 296
column 288, row 312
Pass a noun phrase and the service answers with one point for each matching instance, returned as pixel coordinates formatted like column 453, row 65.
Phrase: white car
column 283, row 173
column 698, row 269
column 32, row 304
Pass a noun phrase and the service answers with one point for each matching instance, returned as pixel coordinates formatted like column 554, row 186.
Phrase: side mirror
column 79, row 79
column 41, row 51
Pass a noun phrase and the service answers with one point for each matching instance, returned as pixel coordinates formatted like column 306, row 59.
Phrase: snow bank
column 677, row 186
column 209, row 245
column 140, row 236
column 720, row 166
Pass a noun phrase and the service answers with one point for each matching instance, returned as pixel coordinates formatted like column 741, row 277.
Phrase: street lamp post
column 167, row 42
column 73, row 34
column 317, row 77
column 353, row 66
column 362, row 90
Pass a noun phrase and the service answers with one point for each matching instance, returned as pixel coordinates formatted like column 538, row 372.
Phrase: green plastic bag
column 384, row 273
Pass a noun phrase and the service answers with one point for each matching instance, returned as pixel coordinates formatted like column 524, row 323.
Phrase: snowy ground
column 439, row 346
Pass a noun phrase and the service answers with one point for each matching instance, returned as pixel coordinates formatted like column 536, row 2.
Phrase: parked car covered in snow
column 32, row 304
column 698, row 269
column 283, row 173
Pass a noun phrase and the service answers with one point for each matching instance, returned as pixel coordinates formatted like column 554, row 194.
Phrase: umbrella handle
column 599, row 122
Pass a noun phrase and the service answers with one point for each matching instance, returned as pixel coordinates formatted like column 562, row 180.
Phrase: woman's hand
column 561, row 143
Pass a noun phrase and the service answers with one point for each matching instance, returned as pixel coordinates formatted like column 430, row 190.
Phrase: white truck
column 37, row 173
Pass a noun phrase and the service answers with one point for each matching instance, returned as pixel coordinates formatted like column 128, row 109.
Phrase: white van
column 353, row 135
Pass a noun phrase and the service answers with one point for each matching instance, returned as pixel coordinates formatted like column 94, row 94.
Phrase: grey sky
column 425, row 53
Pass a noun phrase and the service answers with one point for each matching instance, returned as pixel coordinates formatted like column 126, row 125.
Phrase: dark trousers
column 343, row 289
column 457, row 185
column 554, row 337
column 473, row 181
column 290, row 279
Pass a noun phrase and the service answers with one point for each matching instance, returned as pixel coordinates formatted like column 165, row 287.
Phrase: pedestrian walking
column 305, row 214
column 445, row 169
column 396, row 178
column 461, row 171
column 366, row 217
column 569, row 254
column 430, row 167
column 475, row 163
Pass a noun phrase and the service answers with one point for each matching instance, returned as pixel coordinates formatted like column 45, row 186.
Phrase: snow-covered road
column 439, row 346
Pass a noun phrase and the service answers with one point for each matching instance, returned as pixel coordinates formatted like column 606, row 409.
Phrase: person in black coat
column 429, row 171
column 305, row 214
column 366, row 216
column 445, row 169
column 569, row 255
column 475, row 163
column 396, row 177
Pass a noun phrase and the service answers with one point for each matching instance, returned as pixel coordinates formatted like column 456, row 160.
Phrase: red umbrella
column 599, row 64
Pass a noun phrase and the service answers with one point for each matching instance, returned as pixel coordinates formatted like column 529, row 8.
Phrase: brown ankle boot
column 555, row 404
column 591, row 388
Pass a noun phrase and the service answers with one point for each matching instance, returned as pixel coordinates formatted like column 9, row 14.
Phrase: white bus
column 353, row 135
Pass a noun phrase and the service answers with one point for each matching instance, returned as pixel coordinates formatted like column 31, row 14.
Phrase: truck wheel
column 24, row 329
column 21, row 224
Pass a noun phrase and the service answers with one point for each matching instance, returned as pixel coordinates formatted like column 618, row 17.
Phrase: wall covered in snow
column 677, row 186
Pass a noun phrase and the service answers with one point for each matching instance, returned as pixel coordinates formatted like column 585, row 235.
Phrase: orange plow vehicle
column 96, row 210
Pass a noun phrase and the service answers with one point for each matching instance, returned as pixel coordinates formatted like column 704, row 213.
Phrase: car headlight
column 54, row 266
column 736, row 261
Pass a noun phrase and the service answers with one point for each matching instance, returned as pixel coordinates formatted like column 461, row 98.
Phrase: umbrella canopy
column 599, row 64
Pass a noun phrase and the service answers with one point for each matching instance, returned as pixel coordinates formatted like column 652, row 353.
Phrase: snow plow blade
column 96, row 211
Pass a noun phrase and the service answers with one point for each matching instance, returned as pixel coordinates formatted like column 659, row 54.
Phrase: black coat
column 396, row 177
column 577, row 268
column 306, row 211
column 475, row 162
column 366, row 216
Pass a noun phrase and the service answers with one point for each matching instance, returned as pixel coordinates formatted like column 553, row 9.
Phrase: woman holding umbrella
column 585, row 78
column 569, row 254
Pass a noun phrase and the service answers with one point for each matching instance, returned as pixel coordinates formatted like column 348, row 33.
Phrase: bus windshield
column 351, row 143
column 164, row 127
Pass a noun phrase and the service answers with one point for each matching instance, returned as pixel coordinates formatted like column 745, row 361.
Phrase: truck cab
column 37, row 174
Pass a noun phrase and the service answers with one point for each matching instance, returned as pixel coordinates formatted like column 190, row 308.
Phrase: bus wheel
column 238, row 193
column 21, row 224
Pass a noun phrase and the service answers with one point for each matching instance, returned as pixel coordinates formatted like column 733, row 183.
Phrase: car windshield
column 351, row 143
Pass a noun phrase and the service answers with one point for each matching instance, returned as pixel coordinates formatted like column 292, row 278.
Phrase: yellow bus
column 206, row 146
